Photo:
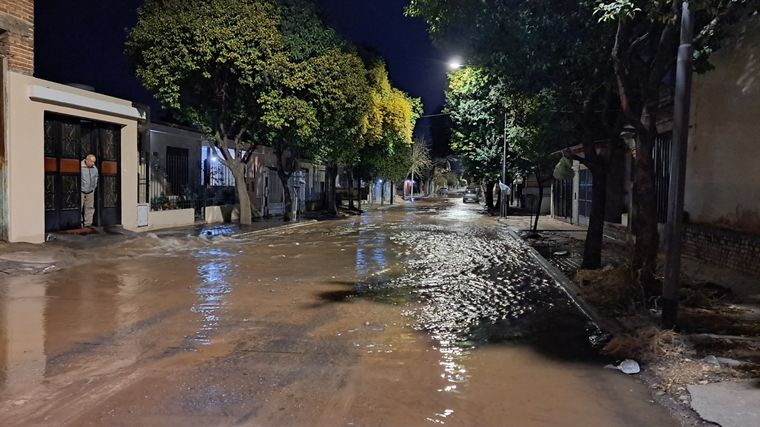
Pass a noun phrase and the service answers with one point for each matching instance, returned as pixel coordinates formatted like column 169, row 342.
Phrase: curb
column 570, row 288
column 275, row 229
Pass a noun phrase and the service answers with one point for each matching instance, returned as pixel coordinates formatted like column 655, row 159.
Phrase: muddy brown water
column 419, row 315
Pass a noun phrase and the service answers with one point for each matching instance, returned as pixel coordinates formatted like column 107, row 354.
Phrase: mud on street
column 427, row 314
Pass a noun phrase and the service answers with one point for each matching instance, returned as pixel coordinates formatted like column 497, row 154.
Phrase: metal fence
column 661, row 157
column 563, row 198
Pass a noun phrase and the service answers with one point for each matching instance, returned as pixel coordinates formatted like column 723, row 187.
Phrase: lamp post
column 681, row 106
column 628, row 134
column 455, row 64
column 504, row 203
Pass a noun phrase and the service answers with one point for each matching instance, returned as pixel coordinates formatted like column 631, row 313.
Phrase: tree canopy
column 209, row 61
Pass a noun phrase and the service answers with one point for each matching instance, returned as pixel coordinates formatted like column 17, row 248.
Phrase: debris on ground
column 718, row 339
column 627, row 366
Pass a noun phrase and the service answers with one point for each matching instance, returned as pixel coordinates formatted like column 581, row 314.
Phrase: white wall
column 25, row 154
column 722, row 178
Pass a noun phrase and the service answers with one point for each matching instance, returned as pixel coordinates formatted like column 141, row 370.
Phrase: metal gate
column 563, row 198
column 67, row 141
column 661, row 157
column 177, row 170
column 584, row 193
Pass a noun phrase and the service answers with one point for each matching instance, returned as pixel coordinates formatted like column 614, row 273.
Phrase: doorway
column 67, row 141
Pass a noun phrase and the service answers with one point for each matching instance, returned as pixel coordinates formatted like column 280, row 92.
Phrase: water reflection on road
column 214, row 266
column 425, row 313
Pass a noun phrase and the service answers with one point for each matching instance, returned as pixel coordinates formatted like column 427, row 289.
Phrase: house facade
column 169, row 176
column 264, row 185
column 47, row 128
column 722, row 198
column 722, row 189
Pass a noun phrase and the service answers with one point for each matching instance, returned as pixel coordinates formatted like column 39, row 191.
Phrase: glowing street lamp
column 455, row 64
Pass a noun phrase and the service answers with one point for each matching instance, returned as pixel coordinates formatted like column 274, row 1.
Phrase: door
column 563, row 198
column 177, row 170
column 584, row 195
column 106, row 145
column 67, row 141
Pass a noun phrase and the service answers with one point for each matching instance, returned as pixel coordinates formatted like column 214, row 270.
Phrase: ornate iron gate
column 67, row 141
column 585, row 186
column 661, row 157
column 563, row 198
column 177, row 170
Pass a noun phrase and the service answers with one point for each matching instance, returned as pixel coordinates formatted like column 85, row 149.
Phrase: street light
column 673, row 234
column 455, row 64
column 628, row 134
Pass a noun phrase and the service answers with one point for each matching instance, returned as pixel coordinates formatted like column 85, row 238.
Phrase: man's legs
column 88, row 208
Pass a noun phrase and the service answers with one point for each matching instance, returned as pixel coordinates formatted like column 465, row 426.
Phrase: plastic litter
column 627, row 366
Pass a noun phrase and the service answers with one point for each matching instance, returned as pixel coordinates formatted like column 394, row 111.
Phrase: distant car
column 443, row 191
column 471, row 195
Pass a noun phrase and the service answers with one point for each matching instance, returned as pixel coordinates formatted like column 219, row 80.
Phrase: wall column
column 3, row 151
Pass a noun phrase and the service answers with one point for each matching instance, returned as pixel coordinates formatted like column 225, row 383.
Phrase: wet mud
column 425, row 314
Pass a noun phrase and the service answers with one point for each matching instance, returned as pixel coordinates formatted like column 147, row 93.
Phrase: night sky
column 81, row 41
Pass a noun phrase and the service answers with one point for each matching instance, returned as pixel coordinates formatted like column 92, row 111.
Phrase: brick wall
column 616, row 231
column 17, row 40
column 732, row 249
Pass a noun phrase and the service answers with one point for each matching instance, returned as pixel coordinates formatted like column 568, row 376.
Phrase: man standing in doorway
column 89, row 184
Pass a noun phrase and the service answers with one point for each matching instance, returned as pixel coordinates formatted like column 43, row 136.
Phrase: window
column 584, row 192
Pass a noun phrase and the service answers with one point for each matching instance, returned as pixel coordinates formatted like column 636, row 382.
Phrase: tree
column 536, row 133
column 475, row 101
column 419, row 160
column 390, row 124
column 644, row 52
column 293, row 107
column 517, row 40
column 208, row 61
column 343, row 95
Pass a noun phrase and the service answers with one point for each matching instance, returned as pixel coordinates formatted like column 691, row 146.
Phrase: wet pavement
column 426, row 314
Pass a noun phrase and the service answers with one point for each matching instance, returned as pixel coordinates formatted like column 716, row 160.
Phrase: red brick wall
column 727, row 248
column 18, row 46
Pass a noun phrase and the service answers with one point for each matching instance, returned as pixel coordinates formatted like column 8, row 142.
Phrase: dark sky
column 81, row 41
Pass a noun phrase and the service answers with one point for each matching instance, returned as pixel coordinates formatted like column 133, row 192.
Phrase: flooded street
column 426, row 314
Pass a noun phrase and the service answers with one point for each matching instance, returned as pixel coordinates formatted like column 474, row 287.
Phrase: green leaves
column 248, row 72
column 613, row 10
column 207, row 60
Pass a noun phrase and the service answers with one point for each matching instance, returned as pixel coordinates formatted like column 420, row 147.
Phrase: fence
column 168, row 184
column 661, row 157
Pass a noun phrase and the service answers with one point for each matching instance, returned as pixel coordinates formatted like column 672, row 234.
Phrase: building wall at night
column 28, row 99
column 17, row 34
column 722, row 185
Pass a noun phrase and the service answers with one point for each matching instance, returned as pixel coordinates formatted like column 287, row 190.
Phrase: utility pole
column 504, row 203
column 678, row 152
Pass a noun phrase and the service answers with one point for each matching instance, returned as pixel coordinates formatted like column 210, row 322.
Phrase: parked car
column 443, row 191
column 471, row 195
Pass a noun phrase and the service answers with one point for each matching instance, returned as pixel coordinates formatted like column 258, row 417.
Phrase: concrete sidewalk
column 545, row 223
column 726, row 399
column 65, row 250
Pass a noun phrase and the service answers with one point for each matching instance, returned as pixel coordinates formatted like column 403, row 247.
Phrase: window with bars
column 585, row 186
column 177, row 170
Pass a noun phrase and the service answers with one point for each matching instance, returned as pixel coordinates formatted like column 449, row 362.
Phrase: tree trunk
column 238, row 171
column 332, row 173
column 538, row 204
column 351, row 188
column 645, row 215
column 393, row 192
column 359, row 192
column 382, row 193
column 288, row 210
column 592, row 249
column 498, row 200
column 489, row 195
